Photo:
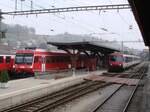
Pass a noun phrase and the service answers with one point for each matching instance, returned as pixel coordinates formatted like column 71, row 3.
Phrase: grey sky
column 117, row 23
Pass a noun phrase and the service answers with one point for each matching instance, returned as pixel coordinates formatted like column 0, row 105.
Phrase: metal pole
column 15, row 5
column 149, row 54
column 122, row 47
column 0, row 25
column 74, row 63
column 31, row 5
column 2, row 33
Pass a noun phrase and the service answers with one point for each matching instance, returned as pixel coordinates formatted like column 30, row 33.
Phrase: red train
column 6, row 62
column 30, row 61
column 119, row 61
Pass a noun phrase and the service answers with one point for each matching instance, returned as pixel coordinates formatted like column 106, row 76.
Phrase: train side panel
column 42, row 61
column 6, row 62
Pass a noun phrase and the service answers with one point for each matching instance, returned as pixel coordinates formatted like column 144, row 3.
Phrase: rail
column 141, row 71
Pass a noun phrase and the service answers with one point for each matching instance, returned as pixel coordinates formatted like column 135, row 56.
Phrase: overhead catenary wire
column 73, row 1
column 30, row 0
column 86, row 25
column 33, row 11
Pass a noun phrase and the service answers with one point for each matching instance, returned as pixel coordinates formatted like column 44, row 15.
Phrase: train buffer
column 115, row 80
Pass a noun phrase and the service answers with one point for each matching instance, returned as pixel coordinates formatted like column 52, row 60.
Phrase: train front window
column 28, row 59
column 24, row 59
column 116, row 58
column 19, row 59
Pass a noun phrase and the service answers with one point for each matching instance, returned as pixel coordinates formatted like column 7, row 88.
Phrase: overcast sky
column 120, row 24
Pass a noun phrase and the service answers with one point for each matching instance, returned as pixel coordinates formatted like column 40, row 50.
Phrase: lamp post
column 2, row 32
column 122, row 46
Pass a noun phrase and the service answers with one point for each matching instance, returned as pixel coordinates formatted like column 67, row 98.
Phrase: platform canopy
column 141, row 13
column 102, row 47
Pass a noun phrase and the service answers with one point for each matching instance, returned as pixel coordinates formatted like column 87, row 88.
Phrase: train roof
column 40, row 51
column 124, row 55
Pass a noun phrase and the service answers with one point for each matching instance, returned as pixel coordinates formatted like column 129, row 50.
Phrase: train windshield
column 116, row 58
column 24, row 59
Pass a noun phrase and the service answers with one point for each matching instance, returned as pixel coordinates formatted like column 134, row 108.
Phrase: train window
column 1, row 59
column 8, row 59
column 19, row 59
column 53, row 59
column 48, row 59
column 68, row 59
column 58, row 59
column 28, row 59
column 24, row 58
column 63, row 59
column 128, row 59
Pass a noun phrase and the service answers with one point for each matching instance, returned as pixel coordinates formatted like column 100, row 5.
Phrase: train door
column 8, row 62
column 37, row 64
column 1, row 63
column 43, row 63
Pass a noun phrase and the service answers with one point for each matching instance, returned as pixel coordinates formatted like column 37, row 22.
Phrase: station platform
column 22, row 90
column 146, row 93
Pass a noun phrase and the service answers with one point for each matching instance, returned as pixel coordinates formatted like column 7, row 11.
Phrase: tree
column 4, row 78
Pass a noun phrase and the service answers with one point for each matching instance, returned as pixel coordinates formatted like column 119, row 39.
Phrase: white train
column 119, row 61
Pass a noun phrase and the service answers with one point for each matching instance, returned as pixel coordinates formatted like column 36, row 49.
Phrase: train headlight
column 119, row 64
column 13, row 66
column 110, row 64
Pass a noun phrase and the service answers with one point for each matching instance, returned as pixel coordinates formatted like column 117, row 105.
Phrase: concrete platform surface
column 22, row 90
column 145, row 107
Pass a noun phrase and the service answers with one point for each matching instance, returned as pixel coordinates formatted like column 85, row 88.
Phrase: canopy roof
column 141, row 13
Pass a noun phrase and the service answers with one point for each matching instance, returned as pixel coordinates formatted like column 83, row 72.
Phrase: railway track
column 53, row 100
column 134, row 69
column 46, row 103
column 125, row 93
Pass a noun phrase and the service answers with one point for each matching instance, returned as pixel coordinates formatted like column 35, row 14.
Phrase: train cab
column 24, row 61
column 115, row 62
